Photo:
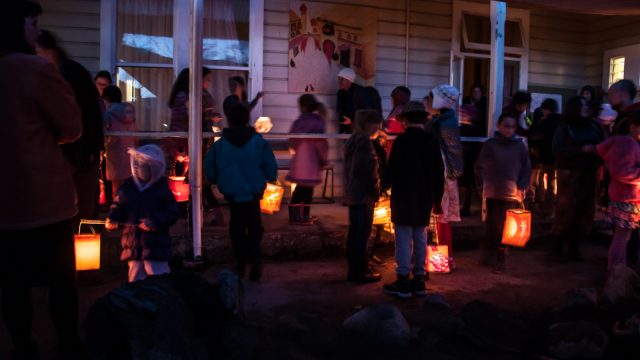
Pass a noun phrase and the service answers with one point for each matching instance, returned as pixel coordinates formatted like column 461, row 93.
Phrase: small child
column 416, row 177
column 362, row 188
column 146, row 208
column 241, row 163
column 119, row 117
column 621, row 156
column 503, row 169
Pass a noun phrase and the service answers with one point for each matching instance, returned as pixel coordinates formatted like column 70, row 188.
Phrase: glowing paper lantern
column 87, row 251
column 517, row 228
column 263, row 125
column 103, row 196
column 271, row 199
column 179, row 188
column 438, row 259
column 382, row 212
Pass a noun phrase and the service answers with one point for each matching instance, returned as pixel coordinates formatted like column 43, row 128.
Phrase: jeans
column 139, row 270
column 360, row 224
column 302, row 195
column 406, row 259
column 245, row 229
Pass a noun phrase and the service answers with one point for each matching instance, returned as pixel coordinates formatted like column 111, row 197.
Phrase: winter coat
column 567, row 144
column 503, row 168
column 157, row 204
column 311, row 155
column 37, row 113
column 180, row 121
column 541, row 140
column 241, row 163
column 361, row 179
column 621, row 156
column 415, row 175
column 447, row 130
column 117, row 147
column 353, row 99
column 621, row 125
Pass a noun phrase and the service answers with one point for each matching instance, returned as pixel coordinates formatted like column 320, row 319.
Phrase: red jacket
column 38, row 112
column 621, row 156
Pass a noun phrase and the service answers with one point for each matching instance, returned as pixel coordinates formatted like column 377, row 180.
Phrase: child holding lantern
column 241, row 163
column 503, row 170
column 416, row 176
column 146, row 207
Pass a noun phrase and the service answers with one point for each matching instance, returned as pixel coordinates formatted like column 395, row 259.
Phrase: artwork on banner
column 538, row 98
column 325, row 38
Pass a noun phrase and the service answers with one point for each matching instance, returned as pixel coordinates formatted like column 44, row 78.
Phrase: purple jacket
column 310, row 154
column 621, row 156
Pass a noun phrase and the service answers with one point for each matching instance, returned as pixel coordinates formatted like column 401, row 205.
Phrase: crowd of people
column 56, row 148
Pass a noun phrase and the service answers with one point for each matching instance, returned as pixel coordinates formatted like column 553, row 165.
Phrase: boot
column 418, row 285
column 367, row 277
column 294, row 214
column 400, row 288
column 306, row 215
column 500, row 266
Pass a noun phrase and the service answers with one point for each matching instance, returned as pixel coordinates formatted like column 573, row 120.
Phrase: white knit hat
column 348, row 74
column 445, row 96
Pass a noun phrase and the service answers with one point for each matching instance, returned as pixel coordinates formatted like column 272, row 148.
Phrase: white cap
column 348, row 74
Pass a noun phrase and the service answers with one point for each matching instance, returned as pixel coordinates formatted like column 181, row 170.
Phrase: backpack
column 368, row 98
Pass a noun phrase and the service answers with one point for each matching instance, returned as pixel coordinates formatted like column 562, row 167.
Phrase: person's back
column 540, row 139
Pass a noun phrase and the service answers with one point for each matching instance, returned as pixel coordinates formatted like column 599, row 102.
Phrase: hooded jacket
column 621, row 156
column 241, row 163
column 503, row 168
column 311, row 155
column 415, row 175
column 117, row 147
column 361, row 178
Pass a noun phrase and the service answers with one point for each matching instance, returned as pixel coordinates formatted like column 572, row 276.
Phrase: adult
column 542, row 160
column 590, row 95
column 38, row 112
column 102, row 80
column 621, row 97
column 178, row 148
column 577, row 166
column 520, row 103
column 83, row 154
column 473, row 123
column 238, row 89
column 352, row 97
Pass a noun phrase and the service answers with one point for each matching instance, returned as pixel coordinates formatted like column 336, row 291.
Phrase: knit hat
column 607, row 114
column 445, row 96
column 347, row 74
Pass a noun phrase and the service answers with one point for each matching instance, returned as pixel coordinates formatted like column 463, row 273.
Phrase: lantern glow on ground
column 87, row 248
column 517, row 228
column 271, row 199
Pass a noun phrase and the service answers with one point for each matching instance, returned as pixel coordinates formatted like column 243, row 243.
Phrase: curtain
column 226, row 32
column 145, row 31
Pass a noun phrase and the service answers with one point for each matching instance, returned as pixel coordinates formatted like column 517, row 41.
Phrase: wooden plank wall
column 77, row 25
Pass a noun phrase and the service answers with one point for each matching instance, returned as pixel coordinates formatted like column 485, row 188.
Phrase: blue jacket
column 241, row 163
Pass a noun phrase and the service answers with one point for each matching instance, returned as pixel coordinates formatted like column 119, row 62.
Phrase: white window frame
column 181, row 28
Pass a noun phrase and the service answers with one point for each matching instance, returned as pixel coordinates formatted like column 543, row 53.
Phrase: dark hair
column 365, row 118
column 234, row 82
column 415, row 117
column 104, row 74
column 48, row 41
column 112, row 94
column 521, row 97
column 12, row 36
column 477, row 86
column 401, row 90
column 505, row 115
column 573, row 110
column 238, row 116
column 634, row 118
column 550, row 105
column 181, row 84
column 626, row 85
column 590, row 89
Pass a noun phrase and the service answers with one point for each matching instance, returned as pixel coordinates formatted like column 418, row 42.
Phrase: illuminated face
column 102, row 83
column 507, row 127
column 31, row 30
column 343, row 83
column 141, row 169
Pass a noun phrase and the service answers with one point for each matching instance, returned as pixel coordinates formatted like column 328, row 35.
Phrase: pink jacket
column 310, row 154
column 117, row 147
column 621, row 156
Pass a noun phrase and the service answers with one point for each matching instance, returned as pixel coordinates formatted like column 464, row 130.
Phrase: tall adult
column 238, row 89
column 577, row 165
column 83, row 154
column 102, row 80
column 621, row 97
column 352, row 97
column 590, row 95
column 473, row 115
column 520, row 103
column 38, row 112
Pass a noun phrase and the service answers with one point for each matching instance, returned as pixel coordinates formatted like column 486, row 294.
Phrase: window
column 616, row 69
column 476, row 34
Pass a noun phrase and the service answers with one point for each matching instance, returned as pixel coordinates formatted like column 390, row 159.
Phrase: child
column 503, row 169
column 146, row 208
column 310, row 157
column 621, row 156
column 361, row 192
column 241, row 163
column 416, row 177
column 119, row 117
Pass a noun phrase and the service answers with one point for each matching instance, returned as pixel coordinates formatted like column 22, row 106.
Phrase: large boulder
column 577, row 340
column 383, row 325
column 579, row 305
column 622, row 283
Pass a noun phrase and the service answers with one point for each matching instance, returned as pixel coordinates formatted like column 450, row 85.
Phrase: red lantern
column 179, row 187
column 517, row 228
column 271, row 199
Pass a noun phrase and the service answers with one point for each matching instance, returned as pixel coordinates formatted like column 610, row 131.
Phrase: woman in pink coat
column 119, row 117
column 621, row 156
column 310, row 157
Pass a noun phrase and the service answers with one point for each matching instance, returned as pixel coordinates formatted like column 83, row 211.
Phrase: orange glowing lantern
column 87, row 247
column 179, row 187
column 103, row 195
column 382, row 212
column 517, row 228
column 271, row 199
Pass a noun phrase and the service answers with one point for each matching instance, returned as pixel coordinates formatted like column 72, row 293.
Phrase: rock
column 577, row 340
column 579, row 305
column 490, row 328
column 383, row 325
column 622, row 282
